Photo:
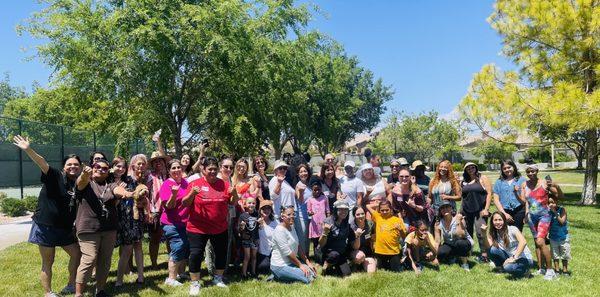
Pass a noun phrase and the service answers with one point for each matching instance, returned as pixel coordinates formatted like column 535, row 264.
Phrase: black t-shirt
column 250, row 232
column 473, row 198
column 391, row 179
column 365, row 238
column 53, row 202
column 340, row 236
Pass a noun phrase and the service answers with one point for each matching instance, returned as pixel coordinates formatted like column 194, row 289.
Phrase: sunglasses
column 102, row 169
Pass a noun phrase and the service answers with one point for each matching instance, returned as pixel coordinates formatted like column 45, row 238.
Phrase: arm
column 169, row 204
column 196, row 165
column 160, row 148
column 437, row 233
column 431, row 242
column 562, row 219
column 84, row 179
column 485, row 182
column 122, row 193
column 522, row 245
column 300, row 194
column 23, row 144
column 498, row 204
column 359, row 198
column 234, row 196
column 188, row 199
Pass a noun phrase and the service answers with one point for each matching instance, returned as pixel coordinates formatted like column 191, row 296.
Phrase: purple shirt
column 179, row 214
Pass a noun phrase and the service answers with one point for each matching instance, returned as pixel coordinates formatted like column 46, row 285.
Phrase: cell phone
column 205, row 142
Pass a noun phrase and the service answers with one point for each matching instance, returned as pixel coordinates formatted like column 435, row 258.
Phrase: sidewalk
column 14, row 233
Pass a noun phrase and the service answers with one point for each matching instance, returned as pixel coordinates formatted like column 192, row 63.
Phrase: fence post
column 21, row 159
column 62, row 142
column 94, row 133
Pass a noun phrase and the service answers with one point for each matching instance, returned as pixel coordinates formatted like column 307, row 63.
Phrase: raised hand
column 174, row 190
column 326, row 228
column 87, row 171
column 301, row 186
column 21, row 142
column 280, row 178
column 359, row 232
column 196, row 190
column 483, row 227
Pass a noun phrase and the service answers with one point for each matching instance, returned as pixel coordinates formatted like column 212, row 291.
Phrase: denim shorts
column 178, row 242
column 49, row 236
column 250, row 243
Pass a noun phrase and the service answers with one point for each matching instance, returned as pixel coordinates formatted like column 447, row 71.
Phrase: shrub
column 13, row 207
column 30, row 203
column 3, row 196
column 457, row 167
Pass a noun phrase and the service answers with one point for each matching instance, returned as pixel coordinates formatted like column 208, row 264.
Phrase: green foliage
column 424, row 134
column 9, row 92
column 494, row 151
column 30, row 203
column 13, row 207
column 539, row 154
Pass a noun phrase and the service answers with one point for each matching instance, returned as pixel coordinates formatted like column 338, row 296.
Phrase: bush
column 562, row 157
column 3, row 196
column 30, row 203
column 457, row 167
column 13, row 207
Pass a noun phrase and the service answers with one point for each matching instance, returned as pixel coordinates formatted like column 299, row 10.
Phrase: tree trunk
column 579, row 161
column 588, row 195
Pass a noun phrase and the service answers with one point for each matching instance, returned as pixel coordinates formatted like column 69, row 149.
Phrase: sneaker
column 172, row 282
column 68, row 289
column 539, row 272
column 492, row 265
column 195, row 288
column 51, row 294
column 465, row 267
column 550, row 274
column 218, row 281
column 183, row 276
column 270, row 278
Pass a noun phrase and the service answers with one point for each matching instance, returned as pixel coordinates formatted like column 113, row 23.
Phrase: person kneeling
column 337, row 240
column 451, row 237
column 420, row 245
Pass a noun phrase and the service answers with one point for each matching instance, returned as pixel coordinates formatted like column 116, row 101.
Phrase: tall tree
column 9, row 92
column 556, row 46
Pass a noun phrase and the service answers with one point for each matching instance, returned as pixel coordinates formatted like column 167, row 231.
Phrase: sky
column 426, row 50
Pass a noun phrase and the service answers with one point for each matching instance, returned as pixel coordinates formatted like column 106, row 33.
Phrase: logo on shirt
column 204, row 188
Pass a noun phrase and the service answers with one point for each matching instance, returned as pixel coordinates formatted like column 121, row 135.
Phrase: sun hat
column 280, row 163
column 362, row 168
column 416, row 164
column 156, row 155
column 469, row 164
column 340, row 204
column 349, row 163
column 402, row 161
column 266, row 203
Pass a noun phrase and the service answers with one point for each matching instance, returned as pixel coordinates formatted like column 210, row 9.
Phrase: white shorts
column 561, row 250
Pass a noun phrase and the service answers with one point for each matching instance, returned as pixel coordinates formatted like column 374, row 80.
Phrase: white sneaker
column 539, row 272
column 195, row 288
column 492, row 264
column 51, row 294
column 465, row 267
column 550, row 274
column 68, row 289
column 218, row 281
column 172, row 282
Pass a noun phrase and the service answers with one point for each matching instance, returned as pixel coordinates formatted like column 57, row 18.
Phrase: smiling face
column 342, row 213
column 287, row 216
column 303, row 173
column 404, row 177
column 446, row 211
column 443, row 169
column 385, row 211
column 531, row 173
column 359, row 215
column 210, row 172
column 241, row 168
column 471, row 170
column 100, row 171
column 72, row 168
column 226, row 168
column 250, row 204
column 329, row 159
column 395, row 166
column 185, row 160
column 368, row 173
column 422, row 231
column 497, row 221
column 158, row 165
column 508, row 170
column 175, row 171
column 266, row 211
column 329, row 172
column 119, row 169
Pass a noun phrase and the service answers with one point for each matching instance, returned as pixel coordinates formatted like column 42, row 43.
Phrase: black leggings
column 518, row 215
column 263, row 264
column 474, row 223
column 389, row 262
column 459, row 248
column 198, row 244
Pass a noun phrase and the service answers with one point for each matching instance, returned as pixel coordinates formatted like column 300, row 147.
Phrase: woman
column 365, row 232
column 95, row 156
column 536, row 192
column 174, row 219
column 259, row 167
column 451, row 237
column 158, row 174
column 329, row 184
column 507, row 194
column 476, row 199
column 507, row 246
column 390, row 230
column 54, row 215
column 267, row 225
column 281, row 192
column 286, row 256
column 131, row 227
column 96, row 224
column 246, row 187
column 408, row 200
column 352, row 188
column 208, row 222
column 444, row 187
column 375, row 186
column 393, row 178
column 303, row 193
column 338, row 240
column 226, row 169
column 187, row 165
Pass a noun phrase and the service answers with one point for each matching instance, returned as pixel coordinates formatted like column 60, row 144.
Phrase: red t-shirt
column 208, row 214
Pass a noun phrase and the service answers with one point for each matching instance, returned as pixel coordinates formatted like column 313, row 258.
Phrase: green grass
column 20, row 265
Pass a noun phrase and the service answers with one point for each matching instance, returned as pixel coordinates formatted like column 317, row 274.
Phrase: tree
column 556, row 47
column 494, row 151
column 424, row 134
column 9, row 92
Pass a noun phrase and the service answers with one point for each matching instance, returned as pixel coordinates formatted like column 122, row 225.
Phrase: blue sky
column 427, row 51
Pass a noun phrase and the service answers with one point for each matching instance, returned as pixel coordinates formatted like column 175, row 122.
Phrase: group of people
column 228, row 213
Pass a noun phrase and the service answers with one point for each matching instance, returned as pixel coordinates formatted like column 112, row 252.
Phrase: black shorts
column 49, row 236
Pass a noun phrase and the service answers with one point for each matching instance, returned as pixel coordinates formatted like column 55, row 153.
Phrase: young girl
column 559, row 237
column 420, row 244
column 390, row 231
column 248, row 230
column 318, row 210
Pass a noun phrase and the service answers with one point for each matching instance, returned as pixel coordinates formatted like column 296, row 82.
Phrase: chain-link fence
column 53, row 142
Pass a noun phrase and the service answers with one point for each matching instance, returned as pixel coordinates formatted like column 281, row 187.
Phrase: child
column 420, row 244
column 559, row 236
column 318, row 210
column 248, row 229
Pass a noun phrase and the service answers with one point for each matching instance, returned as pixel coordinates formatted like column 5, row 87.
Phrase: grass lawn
column 19, row 275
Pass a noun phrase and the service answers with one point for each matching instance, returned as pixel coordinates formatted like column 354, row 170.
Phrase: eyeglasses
column 102, row 169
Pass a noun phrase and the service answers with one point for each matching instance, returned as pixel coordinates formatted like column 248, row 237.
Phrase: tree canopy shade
column 245, row 74
column 556, row 46
column 424, row 134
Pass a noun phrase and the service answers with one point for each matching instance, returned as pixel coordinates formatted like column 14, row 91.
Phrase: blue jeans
column 290, row 274
column 301, row 226
column 178, row 242
column 517, row 268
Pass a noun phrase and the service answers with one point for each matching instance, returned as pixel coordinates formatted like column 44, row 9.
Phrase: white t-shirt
column 265, row 233
column 284, row 242
column 193, row 177
column 514, row 244
column 286, row 197
column 351, row 187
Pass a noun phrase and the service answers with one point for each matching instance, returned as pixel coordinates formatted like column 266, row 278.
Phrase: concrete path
column 14, row 233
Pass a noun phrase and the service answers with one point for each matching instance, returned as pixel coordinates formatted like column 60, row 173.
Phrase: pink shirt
column 319, row 207
column 179, row 214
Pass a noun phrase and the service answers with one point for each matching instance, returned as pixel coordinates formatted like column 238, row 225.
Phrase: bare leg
column 246, row 261
column 153, row 247
column 124, row 257
column 74, row 255
column 139, row 260
column 47, row 254
column 253, row 253
column 370, row 265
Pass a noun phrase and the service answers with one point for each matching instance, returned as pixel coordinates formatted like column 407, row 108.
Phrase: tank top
column 473, row 197
column 438, row 190
column 538, row 200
